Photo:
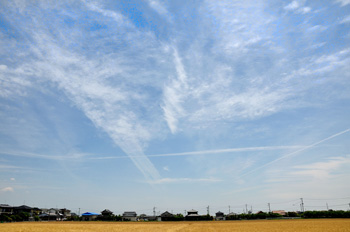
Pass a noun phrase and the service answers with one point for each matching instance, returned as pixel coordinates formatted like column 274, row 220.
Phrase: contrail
column 294, row 152
column 205, row 152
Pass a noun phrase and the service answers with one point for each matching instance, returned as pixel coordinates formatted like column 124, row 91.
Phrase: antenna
column 302, row 205
column 269, row 207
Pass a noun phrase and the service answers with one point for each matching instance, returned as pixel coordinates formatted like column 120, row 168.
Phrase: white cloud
column 174, row 95
column 185, row 180
column 292, row 6
column 159, row 7
column 321, row 170
column 317, row 28
column 204, row 85
column 315, row 180
column 346, row 19
column 304, row 10
column 295, row 152
column 207, row 152
column 94, row 6
column 70, row 156
column 166, row 168
column 7, row 189
column 297, row 7
column 239, row 25
column 12, row 179
column 343, row 2
column 92, row 83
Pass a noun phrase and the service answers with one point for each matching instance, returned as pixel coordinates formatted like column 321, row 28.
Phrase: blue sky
column 130, row 105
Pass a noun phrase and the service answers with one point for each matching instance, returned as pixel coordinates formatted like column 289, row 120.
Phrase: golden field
column 297, row 225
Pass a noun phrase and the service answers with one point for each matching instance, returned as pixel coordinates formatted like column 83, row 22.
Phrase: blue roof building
column 89, row 216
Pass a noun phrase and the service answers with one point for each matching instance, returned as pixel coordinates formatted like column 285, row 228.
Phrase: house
column 231, row 216
column 107, row 213
column 66, row 213
column 144, row 217
column 6, row 209
column 192, row 215
column 166, row 216
column 280, row 212
column 52, row 214
column 22, row 208
column 219, row 216
column 88, row 216
column 129, row 216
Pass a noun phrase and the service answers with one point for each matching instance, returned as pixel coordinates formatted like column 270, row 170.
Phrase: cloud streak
column 7, row 189
column 295, row 152
column 185, row 180
column 207, row 152
column 321, row 170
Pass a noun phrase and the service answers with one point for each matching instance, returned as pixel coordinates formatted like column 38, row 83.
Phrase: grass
column 310, row 225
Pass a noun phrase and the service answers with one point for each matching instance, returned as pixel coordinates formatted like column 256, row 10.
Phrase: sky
column 178, row 105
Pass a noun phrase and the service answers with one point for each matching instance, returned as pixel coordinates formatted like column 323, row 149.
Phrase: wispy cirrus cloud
column 343, row 2
column 295, row 152
column 321, row 170
column 212, row 152
column 92, row 84
column 159, row 7
column 44, row 156
column 298, row 7
column 237, row 66
column 346, row 19
column 185, row 180
column 175, row 95
column 7, row 189
column 308, row 180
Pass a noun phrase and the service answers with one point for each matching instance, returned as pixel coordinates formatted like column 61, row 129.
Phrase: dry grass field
column 296, row 225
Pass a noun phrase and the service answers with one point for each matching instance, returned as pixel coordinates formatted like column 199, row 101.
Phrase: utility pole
column 251, row 209
column 327, row 206
column 208, row 210
column 79, row 212
column 302, row 205
column 246, row 209
column 229, row 209
column 269, row 207
column 154, row 211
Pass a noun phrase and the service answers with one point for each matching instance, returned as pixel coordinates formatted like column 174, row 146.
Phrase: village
column 26, row 213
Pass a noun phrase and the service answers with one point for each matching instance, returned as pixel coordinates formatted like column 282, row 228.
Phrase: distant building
column 129, row 216
column 88, row 216
column 219, row 216
column 144, row 217
column 6, row 209
column 192, row 215
column 166, row 216
column 44, row 214
column 280, row 212
column 23, row 208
